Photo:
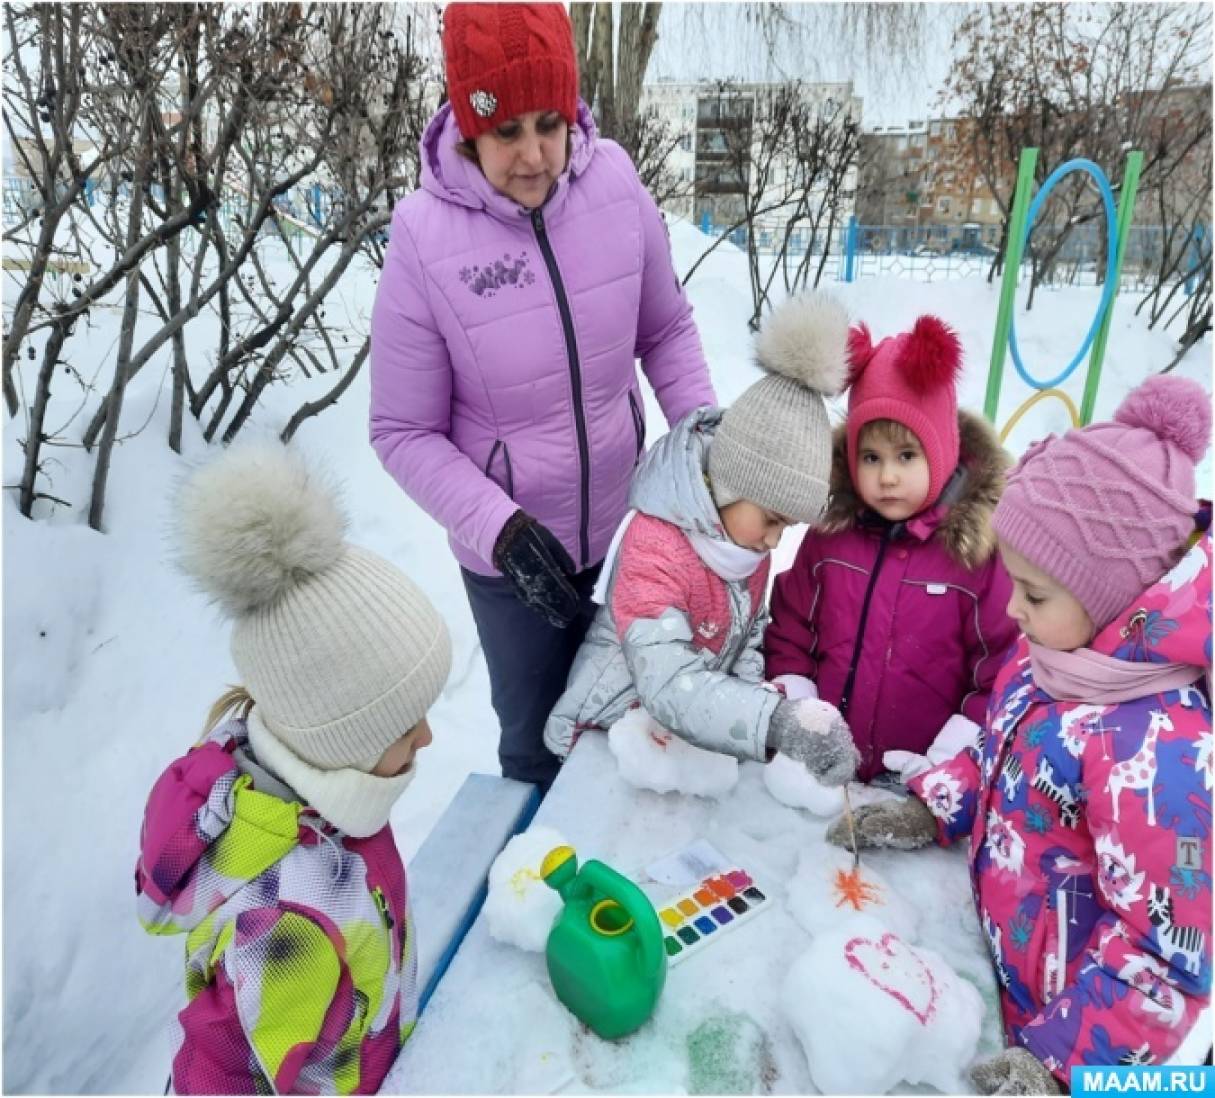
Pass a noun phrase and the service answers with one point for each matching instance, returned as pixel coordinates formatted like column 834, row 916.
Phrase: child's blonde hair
column 890, row 431
column 236, row 700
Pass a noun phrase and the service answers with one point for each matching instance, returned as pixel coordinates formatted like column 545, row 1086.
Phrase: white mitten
column 957, row 734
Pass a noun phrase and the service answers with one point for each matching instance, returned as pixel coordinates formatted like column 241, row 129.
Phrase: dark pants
column 529, row 661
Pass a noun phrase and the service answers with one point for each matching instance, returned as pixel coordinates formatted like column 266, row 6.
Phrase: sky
column 719, row 41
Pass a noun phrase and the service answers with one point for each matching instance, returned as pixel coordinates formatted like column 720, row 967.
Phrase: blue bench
column 448, row 875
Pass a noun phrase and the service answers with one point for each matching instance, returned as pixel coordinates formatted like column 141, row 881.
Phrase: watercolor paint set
column 701, row 914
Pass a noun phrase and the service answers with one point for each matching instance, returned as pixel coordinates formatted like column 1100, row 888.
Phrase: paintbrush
column 856, row 850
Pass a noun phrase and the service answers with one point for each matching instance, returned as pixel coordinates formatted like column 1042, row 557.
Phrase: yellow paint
column 670, row 916
column 521, row 880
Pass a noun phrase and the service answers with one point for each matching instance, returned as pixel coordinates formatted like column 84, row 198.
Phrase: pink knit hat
column 1105, row 510
column 910, row 379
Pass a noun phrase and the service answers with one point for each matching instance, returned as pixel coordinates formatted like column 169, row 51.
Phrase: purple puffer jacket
column 914, row 623
column 503, row 346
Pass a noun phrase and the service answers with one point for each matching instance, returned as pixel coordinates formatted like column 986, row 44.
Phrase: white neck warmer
column 731, row 562
column 356, row 803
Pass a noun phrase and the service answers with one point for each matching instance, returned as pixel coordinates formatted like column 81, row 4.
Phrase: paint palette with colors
column 693, row 918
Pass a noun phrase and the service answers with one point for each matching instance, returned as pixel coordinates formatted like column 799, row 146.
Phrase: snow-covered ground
column 111, row 660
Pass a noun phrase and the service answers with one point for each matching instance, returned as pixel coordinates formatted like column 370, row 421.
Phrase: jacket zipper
column 571, row 350
column 849, row 682
column 509, row 487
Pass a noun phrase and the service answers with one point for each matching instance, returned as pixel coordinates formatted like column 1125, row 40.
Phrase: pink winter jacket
column 504, row 346
column 914, row 616
column 1090, row 844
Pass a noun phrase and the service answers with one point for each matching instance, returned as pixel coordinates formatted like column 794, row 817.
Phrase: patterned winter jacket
column 673, row 635
column 1090, row 844
column 906, row 619
column 300, row 955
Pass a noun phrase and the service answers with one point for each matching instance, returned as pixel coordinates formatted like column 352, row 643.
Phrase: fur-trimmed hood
column 964, row 524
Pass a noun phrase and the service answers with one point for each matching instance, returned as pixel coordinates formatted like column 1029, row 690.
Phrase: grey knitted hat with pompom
column 773, row 446
column 342, row 653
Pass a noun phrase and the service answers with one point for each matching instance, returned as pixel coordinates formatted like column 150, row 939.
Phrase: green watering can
column 605, row 953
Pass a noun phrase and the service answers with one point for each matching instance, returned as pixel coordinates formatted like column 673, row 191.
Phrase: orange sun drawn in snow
column 852, row 888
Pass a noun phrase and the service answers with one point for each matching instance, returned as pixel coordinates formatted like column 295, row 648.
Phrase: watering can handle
column 611, row 884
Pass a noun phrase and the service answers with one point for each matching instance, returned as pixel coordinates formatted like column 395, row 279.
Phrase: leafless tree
column 1073, row 81
column 216, row 119
column 784, row 152
column 613, row 43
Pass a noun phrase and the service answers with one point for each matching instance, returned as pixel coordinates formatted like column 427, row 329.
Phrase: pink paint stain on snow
column 891, row 966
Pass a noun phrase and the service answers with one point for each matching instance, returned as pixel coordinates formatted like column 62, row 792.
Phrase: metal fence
column 926, row 253
column 947, row 251
column 305, row 209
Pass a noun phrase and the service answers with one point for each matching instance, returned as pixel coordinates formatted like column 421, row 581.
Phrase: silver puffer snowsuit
column 673, row 635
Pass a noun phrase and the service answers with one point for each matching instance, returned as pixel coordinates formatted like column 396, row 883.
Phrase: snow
column 792, row 784
column 112, row 660
column 651, row 757
column 872, row 1010
column 731, row 986
column 520, row 907
column 820, row 904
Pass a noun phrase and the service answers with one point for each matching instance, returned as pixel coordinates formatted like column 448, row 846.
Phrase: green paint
column 728, row 1053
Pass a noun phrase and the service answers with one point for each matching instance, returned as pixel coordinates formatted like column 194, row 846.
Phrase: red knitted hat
column 909, row 378
column 504, row 60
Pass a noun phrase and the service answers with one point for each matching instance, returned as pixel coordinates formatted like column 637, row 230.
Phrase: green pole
column 1126, row 210
column 1008, row 286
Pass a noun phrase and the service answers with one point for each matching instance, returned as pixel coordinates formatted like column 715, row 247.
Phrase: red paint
column 888, row 946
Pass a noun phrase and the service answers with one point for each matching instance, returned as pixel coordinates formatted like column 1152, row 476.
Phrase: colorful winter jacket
column 1090, row 843
column 300, row 955
column 503, row 346
column 900, row 625
column 672, row 635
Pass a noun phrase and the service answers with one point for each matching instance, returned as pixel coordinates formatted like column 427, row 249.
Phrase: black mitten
column 539, row 569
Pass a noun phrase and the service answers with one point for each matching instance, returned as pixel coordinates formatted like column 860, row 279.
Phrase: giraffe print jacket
column 1090, row 844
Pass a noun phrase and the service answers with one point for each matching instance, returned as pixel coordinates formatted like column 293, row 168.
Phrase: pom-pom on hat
column 504, row 60
column 341, row 652
column 773, row 445
column 1105, row 510
column 910, row 378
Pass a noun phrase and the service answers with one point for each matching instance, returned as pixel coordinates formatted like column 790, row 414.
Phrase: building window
column 943, row 204
column 685, row 142
column 934, row 128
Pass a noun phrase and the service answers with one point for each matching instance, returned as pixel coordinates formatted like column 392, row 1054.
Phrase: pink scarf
column 1088, row 676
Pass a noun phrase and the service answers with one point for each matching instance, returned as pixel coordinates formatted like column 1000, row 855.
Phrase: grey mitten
column 1014, row 1071
column 904, row 824
column 813, row 733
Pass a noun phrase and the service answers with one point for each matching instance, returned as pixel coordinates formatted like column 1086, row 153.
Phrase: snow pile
column 827, row 894
column 520, row 907
column 650, row 757
column 792, row 784
column 871, row 1011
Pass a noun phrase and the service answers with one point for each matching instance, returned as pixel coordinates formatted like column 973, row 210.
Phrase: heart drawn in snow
column 891, row 965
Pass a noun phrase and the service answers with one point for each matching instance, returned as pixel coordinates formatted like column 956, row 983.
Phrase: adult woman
column 521, row 283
